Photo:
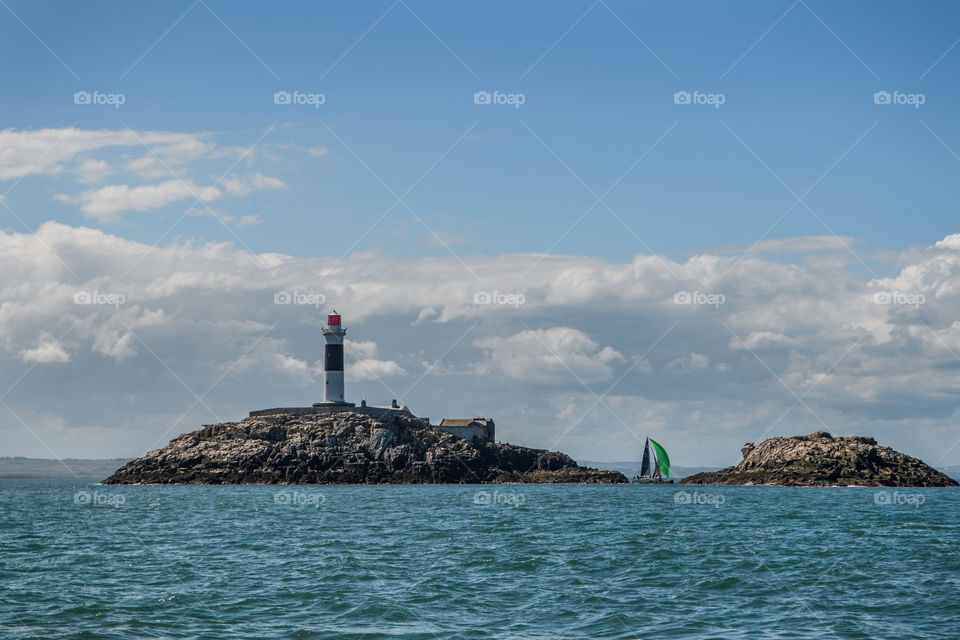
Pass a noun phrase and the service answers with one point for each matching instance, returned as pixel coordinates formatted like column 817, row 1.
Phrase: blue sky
column 599, row 99
column 797, row 198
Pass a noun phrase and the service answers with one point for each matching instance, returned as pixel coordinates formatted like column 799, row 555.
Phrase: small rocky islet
column 819, row 459
column 346, row 448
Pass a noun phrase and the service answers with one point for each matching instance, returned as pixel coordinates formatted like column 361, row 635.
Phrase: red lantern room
column 333, row 320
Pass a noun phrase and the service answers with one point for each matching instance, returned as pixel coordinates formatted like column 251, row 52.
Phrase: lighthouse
column 333, row 360
column 334, row 403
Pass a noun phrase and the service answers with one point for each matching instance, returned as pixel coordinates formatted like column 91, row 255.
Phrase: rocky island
column 346, row 447
column 819, row 459
column 335, row 441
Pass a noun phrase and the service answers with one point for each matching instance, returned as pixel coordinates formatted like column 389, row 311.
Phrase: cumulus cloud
column 266, row 357
column 372, row 369
column 760, row 340
column 425, row 314
column 364, row 364
column 199, row 321
column 166, row 158
column 689, row 363
column 240, row 186
column 105, row 204
column 114, row 343
column 47, row 350
column 49, row 151
column 204, row 211
column 91, row 170
column 545, row 355
column 950, row 242
column 361, row 349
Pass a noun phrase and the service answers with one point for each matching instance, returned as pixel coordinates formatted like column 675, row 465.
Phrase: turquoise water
column 79, row 560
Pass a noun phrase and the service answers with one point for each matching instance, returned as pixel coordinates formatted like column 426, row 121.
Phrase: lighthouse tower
column 333, row 360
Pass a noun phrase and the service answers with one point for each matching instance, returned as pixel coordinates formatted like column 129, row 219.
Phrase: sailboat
column 659, row 471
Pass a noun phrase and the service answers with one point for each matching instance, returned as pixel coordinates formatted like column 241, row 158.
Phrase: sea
column 84, row 561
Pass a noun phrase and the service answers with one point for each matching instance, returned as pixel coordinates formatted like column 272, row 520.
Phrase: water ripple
column 83, row 561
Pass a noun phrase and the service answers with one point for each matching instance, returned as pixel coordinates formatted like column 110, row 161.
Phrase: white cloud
column 206, row 311
column 204, row 211
column 282, row 368
column 113, row 343
column 361, row 349
column 105, row 204
column 47, row 350
column 425, row 314
column 950, row 242
column 759, row 340
column 372, row 369
column 48, row 151
column 689, row 363
column 240, row 186
column 249, row 220
column 363, row 364
column 91, row 170
column 546, row 355
column 166, row 157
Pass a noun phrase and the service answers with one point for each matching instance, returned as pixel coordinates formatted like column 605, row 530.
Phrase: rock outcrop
column 345, row 447
column 822, row 460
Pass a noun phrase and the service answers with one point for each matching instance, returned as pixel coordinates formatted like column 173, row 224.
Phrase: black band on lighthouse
column 333, row 357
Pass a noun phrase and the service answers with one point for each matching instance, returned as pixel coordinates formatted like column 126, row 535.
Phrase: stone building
column 469, row 428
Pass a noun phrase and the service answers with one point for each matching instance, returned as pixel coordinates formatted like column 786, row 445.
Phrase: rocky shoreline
column 346, row 448
column 819, row 460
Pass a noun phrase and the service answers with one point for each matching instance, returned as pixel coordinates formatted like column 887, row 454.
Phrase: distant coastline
column 25, row 468
column 631, row 468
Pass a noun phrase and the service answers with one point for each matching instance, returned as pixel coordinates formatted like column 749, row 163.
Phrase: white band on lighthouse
column 333, row 386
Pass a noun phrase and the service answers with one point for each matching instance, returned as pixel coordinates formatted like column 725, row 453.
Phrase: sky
column 706, row 223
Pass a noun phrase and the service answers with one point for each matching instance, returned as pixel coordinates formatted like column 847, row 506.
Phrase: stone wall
column 484, row 432
column 376, row 412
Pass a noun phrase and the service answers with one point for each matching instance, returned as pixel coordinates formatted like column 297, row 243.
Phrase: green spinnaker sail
column 663, row 460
